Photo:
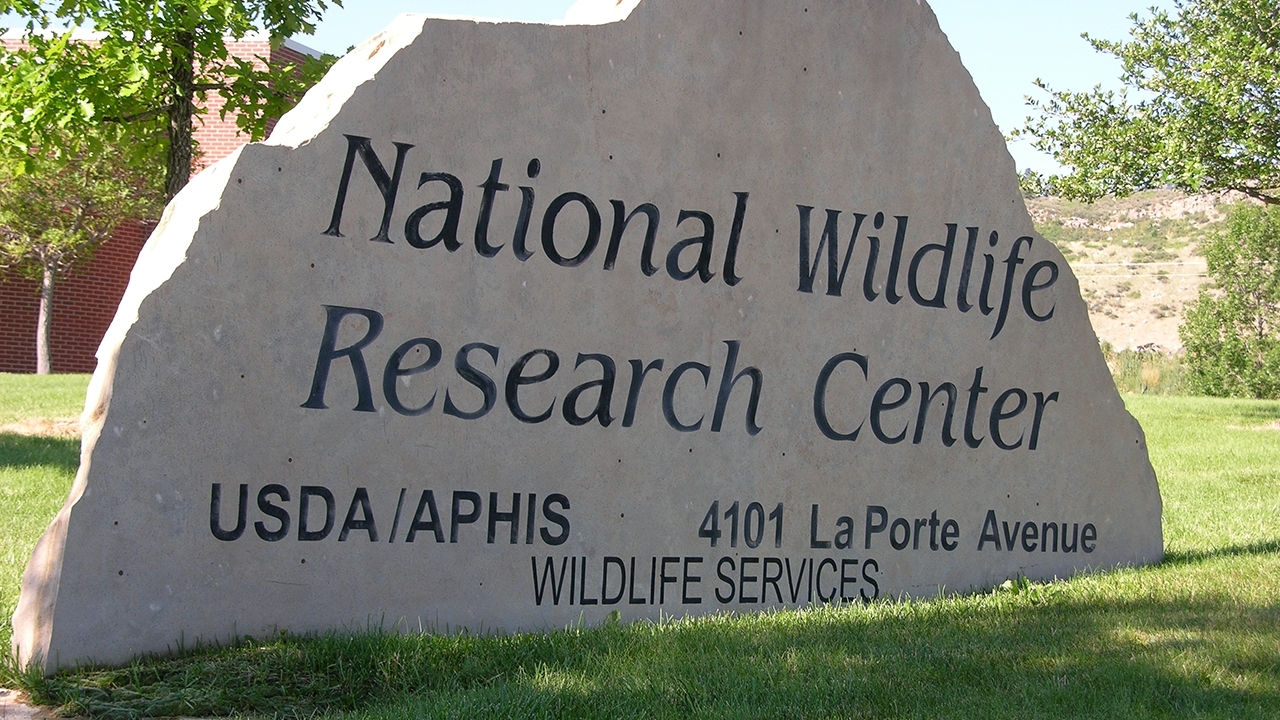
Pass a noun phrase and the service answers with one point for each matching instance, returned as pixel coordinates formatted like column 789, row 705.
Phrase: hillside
column 1138, row 258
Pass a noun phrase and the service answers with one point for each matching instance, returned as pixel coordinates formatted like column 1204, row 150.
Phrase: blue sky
column 1005, row 44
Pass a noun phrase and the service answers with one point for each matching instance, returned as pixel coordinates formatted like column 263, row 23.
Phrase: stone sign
column 724, row 306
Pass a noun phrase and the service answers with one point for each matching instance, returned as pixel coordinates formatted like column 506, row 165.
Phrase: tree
column 1232, row 331
column 1199, row 111
column 84, row 124
column 1035, row 185
column 150, row 65
column 55, row 214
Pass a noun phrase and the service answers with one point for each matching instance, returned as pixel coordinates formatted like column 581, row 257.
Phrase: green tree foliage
column 1232, row 331
column 53, row 216
column 1200, row 108
column 86, row 122
column 150, row 65
column 1036, row 185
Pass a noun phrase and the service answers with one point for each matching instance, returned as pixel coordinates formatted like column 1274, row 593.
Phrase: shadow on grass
column 1252, row 412
column 1191, row 557
column 1260, row 411
column 1213, row 410
column 1065, row 654
column 22, row 451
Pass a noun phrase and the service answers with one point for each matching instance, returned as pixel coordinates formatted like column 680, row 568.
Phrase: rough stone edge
column 597, row 12
column 164, row 252
column 325, row 99
column 161, row 256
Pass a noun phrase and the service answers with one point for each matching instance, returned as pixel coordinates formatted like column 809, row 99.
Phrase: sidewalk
column 12, row 709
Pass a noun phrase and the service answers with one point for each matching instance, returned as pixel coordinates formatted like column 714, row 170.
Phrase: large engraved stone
column 726, row 306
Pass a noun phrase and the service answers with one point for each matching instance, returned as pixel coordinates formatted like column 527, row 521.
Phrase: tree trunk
column 44, row 360
column 182, row 107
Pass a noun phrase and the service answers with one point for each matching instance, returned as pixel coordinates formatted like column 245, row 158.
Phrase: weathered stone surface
column 587, row 407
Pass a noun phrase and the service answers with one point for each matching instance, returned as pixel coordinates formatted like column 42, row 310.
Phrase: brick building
column 85, row 302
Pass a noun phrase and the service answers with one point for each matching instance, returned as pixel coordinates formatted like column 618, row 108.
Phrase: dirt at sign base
column 44, row 427
column 12, row 707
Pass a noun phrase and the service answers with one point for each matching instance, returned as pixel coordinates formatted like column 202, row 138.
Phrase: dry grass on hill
column 1137, row 258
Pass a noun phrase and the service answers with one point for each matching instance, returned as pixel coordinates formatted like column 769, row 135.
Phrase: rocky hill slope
column 1138, row 258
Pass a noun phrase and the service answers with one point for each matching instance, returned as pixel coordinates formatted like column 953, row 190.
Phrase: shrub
column 1232, row 331
column 1148, row 370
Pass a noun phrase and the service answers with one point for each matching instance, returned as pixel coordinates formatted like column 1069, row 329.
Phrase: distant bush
column 1232, row 331
column 1147, row 371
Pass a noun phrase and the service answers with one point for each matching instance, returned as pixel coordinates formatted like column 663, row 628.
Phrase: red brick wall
column 218, row 138
column 83, row 305
column 85, row 302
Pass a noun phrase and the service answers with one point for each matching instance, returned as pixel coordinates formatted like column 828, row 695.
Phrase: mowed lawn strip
column 41, row 396
column 1197, row 636
column 35, row 473
column 1218, row 462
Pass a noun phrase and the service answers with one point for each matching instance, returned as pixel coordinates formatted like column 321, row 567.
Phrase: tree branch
column 1265, row 198
column 144, row 115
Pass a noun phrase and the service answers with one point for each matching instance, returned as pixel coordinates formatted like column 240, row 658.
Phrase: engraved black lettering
column 511, row 517
column 457, row 517
column 448, row 233
column 669, row 395
column 462, row 365
column 491, row 186
column 879, row 405
column 516, row 379
column 304, row 511
column 549, row 228
column 999, row 415
column 215, row 512
column 820, row 395
column 604, row 385
column 975, row 390
column 427, row 504
column 704, row 244
column 271, row 509
column 877, row 525
column 620, row 221
column 605, row 597
column 521, row 237
column 926, row 401
column 334, row 315
column 1042, row 402
column 966, row 270
column 731, row 277
column 557, row 519
column 388, row 185
column 549, row 577
column 727, row 382
column 1011, row 263
column 360, row 501
column 394, row 372
column 913, row 287
column 638, row 371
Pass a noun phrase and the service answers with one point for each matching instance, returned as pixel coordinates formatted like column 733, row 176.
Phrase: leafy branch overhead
column 56, row 214
column 1199, row 110
column 150, row 65
column 51, row 219
column 87, row 119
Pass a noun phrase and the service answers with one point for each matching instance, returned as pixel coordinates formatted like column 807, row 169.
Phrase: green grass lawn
column 41, row 396
column 1196, row 636
column 35, row 473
